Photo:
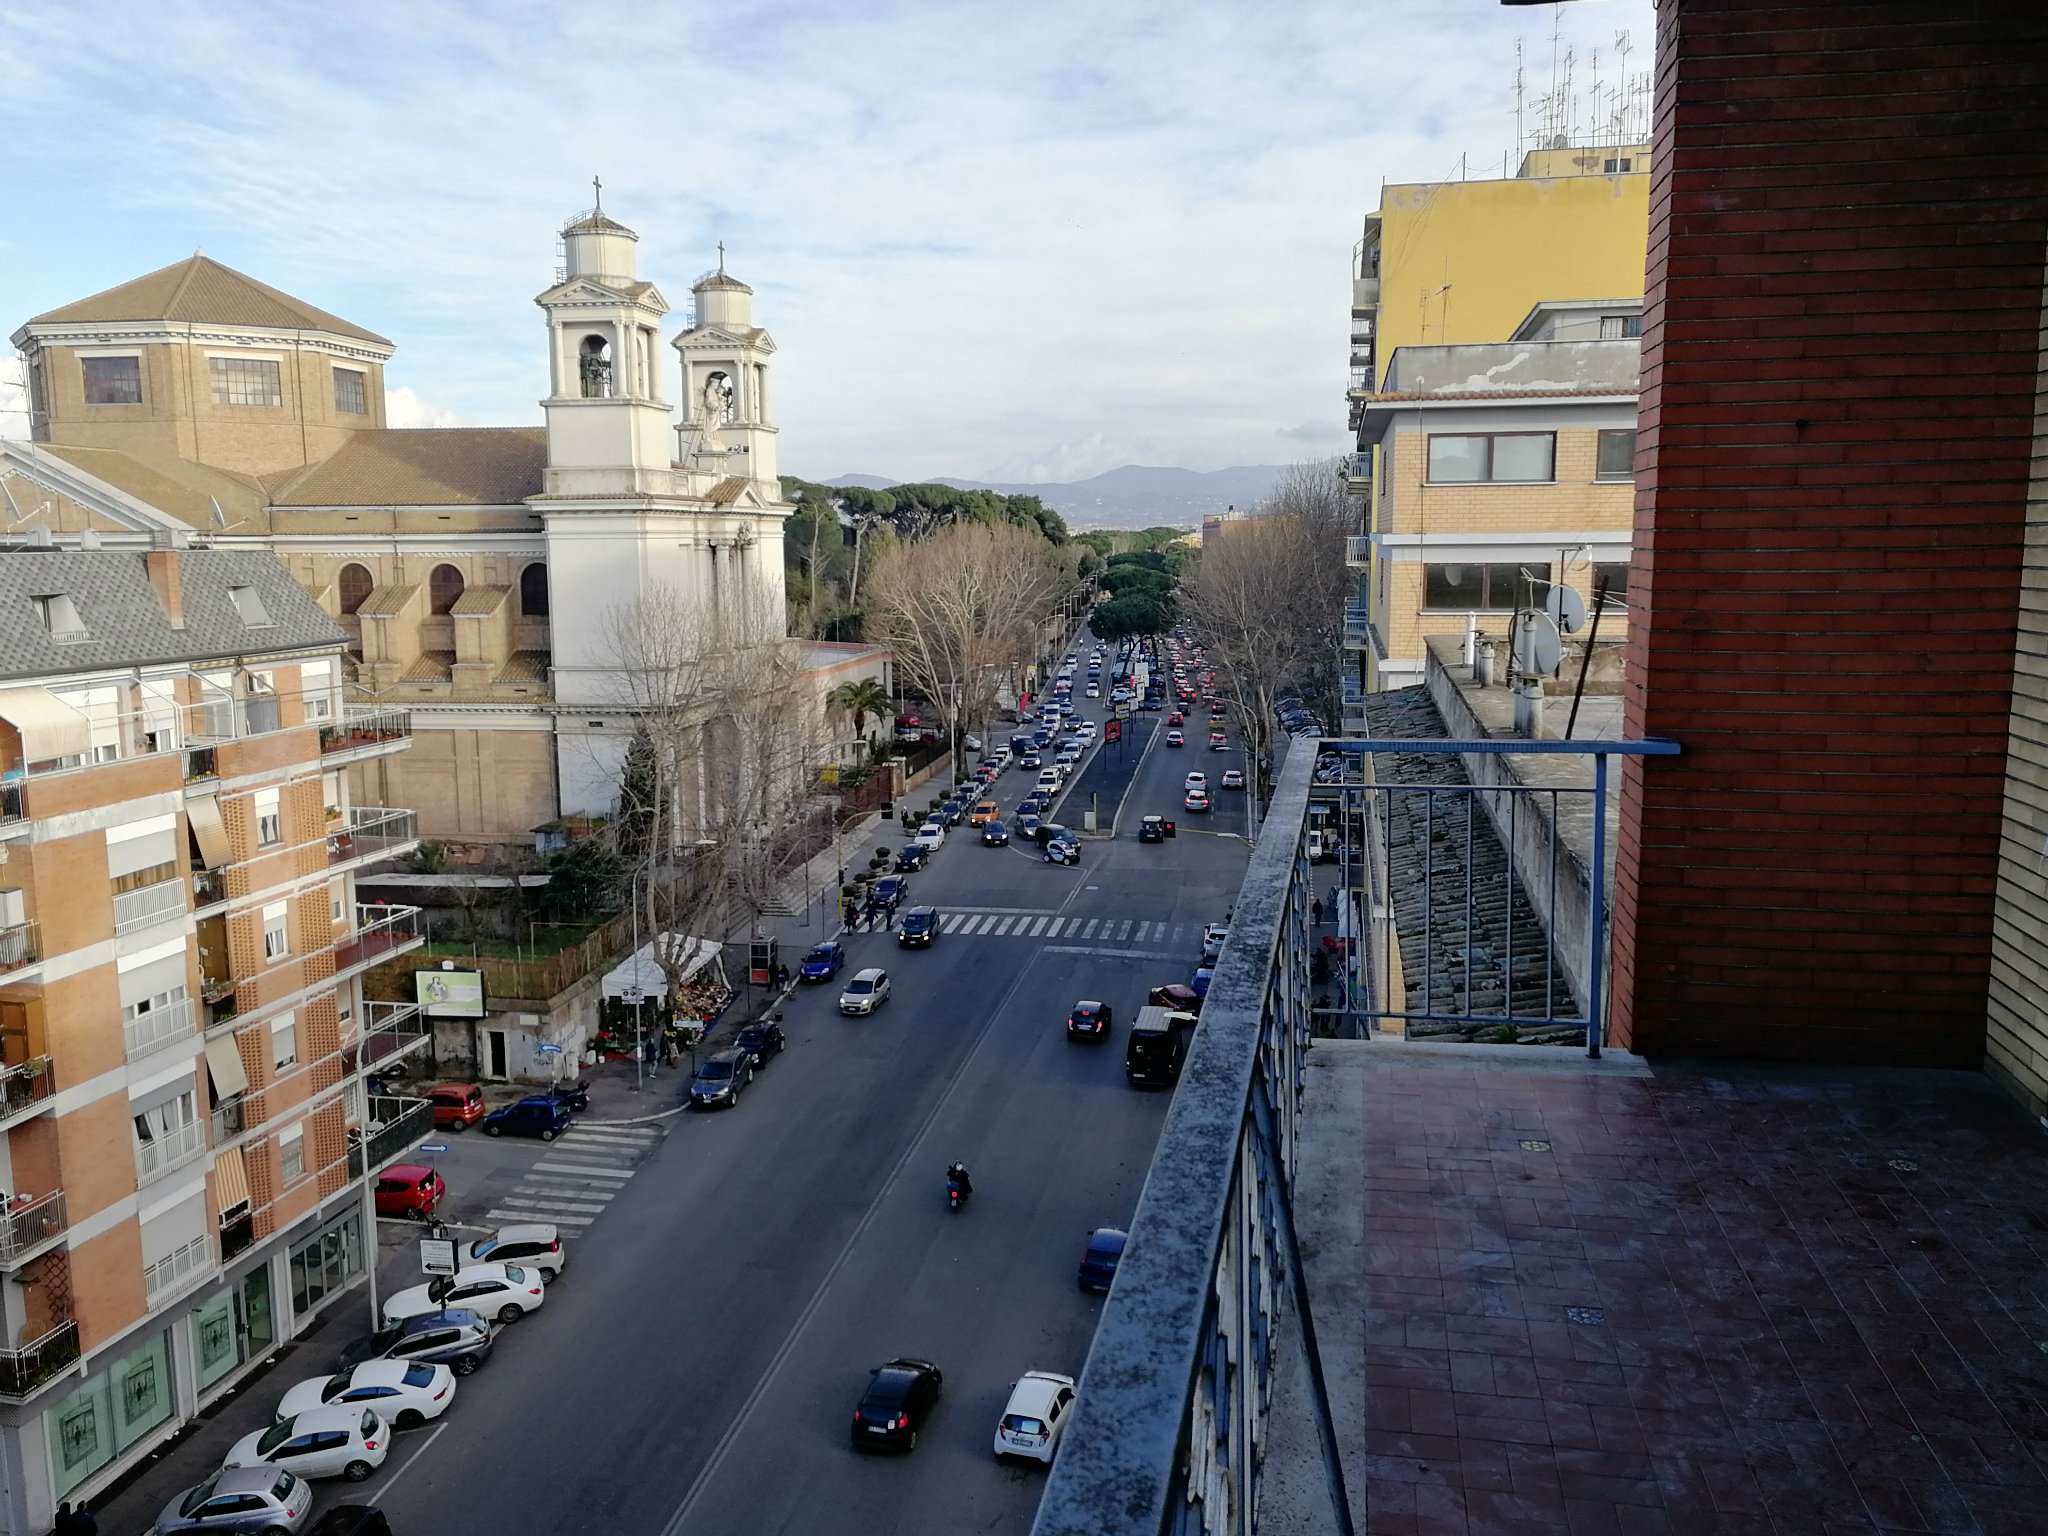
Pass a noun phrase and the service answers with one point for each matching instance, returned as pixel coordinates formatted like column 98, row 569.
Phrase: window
column 291, row 1153
column 349, row 394
column 61, row 618
column 1616, row 164
column 353, row 586
column 326, row 1265
column 1474, row 458
column 1616, row 577
column 275, row 944
column 1618, row 327
column 249, row 604
column 1476, row 588
column 112, row 380
column 1616, row 459
column 269, row 825
column 284, row 1042
column 245, row 381
column 166, row 1133
column 444, row 588
column 533, row 591
column 337, row 898
column 36, row 403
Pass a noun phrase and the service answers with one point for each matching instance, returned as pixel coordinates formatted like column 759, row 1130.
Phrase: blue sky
column 1011, row 242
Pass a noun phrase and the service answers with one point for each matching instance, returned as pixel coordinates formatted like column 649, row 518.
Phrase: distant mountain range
column 1134, row 496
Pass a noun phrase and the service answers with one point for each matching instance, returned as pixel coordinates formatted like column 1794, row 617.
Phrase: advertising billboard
column 449, row 994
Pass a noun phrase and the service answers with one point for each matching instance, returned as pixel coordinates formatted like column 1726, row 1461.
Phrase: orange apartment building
column 186, row 1145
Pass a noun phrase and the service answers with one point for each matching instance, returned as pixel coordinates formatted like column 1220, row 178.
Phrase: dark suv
column 920, row 927
column 457, row 1338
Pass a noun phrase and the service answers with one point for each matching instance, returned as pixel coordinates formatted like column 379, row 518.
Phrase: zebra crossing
column 998, row 923
column 579, row 1175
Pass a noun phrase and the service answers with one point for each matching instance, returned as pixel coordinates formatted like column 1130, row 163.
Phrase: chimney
column 167, row 581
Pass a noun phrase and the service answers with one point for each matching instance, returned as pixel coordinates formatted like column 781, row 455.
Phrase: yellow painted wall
column 1503, row 246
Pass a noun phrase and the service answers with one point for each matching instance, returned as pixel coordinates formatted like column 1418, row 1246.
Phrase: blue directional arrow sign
column 433, row 1146
column 547, row 1050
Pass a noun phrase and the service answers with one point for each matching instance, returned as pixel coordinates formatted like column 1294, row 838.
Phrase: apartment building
column 186, row 1146
column 1503, row 468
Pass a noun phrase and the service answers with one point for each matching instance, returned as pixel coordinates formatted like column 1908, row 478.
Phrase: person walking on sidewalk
column 1316, row 911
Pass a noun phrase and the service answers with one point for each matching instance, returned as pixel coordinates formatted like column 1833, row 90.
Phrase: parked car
column 410, row 1190
column 529, row 1244
column 719, row 1079
column 761, row 1042
column 1174, row 995
column 1233, row 778
column 457, row 1106
column 931, row 835
column 994, row 835
column 900, row 1396
column 971, row 742
column 1090, row 1020
column 950, row 812
column 405, row 1392
column 350, row 1520
column 456, row 1337
column 345, row 1442
column 239, row 1499
column 1099, row 1258
column 538, row 1114
column 1062, row 848
column 910, row 858
column 1041, row 1403
column 504, row 1291
column 1199, row 982
column 823, row 961
column 868, row 990
column 919, row 927
column 1157, row 1046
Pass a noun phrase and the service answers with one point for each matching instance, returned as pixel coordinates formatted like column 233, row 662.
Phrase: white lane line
column 1123, row 931
column 542, row 1199
column 1038, row 927
column 1003, row 926
column 509, row 1214
column 1180, row 932
column 1089, row 931
column 952, row 922
column 406, row 1465
column 590, row 1170
column 1112, row 954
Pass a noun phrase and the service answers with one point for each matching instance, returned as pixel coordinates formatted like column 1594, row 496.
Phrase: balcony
column 25, row 1371
column 25, row 1090
column 149, row 904
column 371, row 832
column 152, row 1031
column 383, row 929
column 13, row 805
column 1357, row 628
column 30, row 1227
column 363, row 732
column 167, row 1150
column 19, row 950
column 397, row 1125
column 391, row 1032
column 209, row 888
column 1358, row 550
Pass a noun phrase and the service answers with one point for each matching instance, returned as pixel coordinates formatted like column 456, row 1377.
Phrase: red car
column 410, row 1190
column 1177, row 718
column 457, row 1106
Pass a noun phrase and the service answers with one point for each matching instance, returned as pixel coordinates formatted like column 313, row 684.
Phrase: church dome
column 720, row 280
column 596, row 223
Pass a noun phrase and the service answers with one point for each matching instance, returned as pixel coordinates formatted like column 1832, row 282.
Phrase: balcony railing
column 1178, row 1388
column 1358, row 549
column 167, row 1149
column 371, row 831
column 209, row 887
column 382, row 928
column 1357, row 628
column 28, row 1226
column 25, row 1087
column 18, row 946
column 23, row 1371
column 148, row 904
column 13, row 801
column 363, row 729
column 391, row 1031
column 151, row 1031
column 396, row 1126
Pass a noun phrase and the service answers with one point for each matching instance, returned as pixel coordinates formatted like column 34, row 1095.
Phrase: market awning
column 643, row 970
column 49, row 727
column 225, row 1063
column 230, row 1184
column 209, row 832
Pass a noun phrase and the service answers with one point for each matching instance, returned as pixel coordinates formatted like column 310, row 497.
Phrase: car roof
column 920, row 912
column 868, row 973
column 728, row 1056
column 380, row 1373
column 327, row 1416
column 454, row 1088
column 538, row 1098
column 1108, row 1239
column 1034, row 1392
column 447, row 1317
column 405, row 1171
column 241, row 1480
column 1086, row 1002
column 528, row 1232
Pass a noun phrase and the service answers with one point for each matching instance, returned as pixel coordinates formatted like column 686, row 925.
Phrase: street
column 734, row 1275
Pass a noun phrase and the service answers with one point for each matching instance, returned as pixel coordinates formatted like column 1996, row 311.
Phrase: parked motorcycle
column 572, row 1096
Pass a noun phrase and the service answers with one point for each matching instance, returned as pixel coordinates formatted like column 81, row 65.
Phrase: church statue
column 597, row 374
column 714, row 411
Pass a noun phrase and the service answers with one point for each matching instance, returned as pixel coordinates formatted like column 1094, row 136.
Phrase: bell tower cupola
column 728, row 406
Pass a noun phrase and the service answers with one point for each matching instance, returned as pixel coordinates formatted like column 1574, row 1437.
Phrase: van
column 1157, row 1047
column 457, row 1106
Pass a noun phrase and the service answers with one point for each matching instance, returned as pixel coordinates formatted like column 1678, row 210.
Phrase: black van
column 1158, row 1046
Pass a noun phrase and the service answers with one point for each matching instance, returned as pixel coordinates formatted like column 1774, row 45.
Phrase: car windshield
column 484, row 1249
column 713, row 1070
column 276, row 1435
column 515, row 1274
column 820, row 953
column 859, row 985
column 198, row 1496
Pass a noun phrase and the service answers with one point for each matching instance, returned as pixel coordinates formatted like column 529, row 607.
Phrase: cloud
column 403, row 407
column 981, row 248
column 1314, row 432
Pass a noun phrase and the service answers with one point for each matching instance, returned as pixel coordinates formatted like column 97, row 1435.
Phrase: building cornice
column 37, row 334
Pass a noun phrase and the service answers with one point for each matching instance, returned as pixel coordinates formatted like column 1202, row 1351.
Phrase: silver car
column 239, row 1499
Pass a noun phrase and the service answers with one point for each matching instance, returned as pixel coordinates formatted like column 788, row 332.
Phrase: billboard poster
column 449, row 994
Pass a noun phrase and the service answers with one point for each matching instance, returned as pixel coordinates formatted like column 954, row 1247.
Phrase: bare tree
column 1267, row 602
column 963, row 610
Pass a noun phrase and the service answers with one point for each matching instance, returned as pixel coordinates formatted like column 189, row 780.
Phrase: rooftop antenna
column 1518, row 96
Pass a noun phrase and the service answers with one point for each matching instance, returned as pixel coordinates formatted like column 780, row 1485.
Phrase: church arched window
column 353, row 586
column 444, row 589
column 594, row 367
column 533, row 591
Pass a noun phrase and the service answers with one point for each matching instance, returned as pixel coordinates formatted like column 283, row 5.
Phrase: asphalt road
column 696, row 1368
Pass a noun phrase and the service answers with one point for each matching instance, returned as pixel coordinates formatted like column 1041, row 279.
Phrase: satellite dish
column 1537, row 648
column 1566, row 608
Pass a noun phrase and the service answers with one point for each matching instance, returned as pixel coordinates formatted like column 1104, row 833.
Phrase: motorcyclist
column 956, row 1179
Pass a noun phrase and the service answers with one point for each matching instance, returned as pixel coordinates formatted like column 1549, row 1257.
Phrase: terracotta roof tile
column 201, row 290
column 432, row 667
column 727, row 491
column 524, row 667
column 476, row 601
column 421, row 466
column 386, row 602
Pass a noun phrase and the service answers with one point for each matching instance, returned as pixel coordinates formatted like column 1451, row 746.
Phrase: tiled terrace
column 1610, row 1298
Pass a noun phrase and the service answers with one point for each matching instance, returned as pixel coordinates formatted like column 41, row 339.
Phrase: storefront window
column 110, row 1412
column 327, row 1264
column 214, row 1345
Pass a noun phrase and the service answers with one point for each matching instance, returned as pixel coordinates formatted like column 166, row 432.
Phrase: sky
column 992, row 241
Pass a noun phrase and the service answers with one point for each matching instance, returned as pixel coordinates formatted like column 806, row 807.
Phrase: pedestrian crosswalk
column 1000, row 924
column 579, row 1175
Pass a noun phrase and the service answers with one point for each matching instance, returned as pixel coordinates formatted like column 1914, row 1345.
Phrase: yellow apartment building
column 186, row 1146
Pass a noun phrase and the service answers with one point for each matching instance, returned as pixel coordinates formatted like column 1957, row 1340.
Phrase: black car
column 455, row 1337
column 350, row 1520
column 719, row 1079
column 899, row 1398
column 994, row 834
column 761, row 1041
column 889, row 892
column 911, row 858
column 919, row 927
column 1090, row 1020
column 1031, row 805
column 1152, row 829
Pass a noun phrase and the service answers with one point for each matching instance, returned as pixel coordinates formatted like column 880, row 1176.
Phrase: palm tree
column 860, row 700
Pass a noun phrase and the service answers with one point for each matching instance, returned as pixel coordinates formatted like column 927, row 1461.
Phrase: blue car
column 537, row 1114
column 824, row 961
column 1201, row 979
column 1098, row 1261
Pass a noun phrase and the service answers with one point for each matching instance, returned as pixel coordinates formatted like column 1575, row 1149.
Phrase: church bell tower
column 728, row 409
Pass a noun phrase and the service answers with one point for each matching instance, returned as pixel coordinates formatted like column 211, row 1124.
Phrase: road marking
column 1112, row 954
column 547, row 1199
column 407, row 1465
column 1038, row 927
column 522, row 1215
column 1003, row 926
column 1089, row 931
column 610, row 1141
column 952, row 923
column 591, row 1170
column 601, row 1197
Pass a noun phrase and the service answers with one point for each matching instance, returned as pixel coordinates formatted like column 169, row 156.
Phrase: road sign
column 547, row 1050
column 633, row 997
column 437, row 1256
column 1113, row 731
column 433, row 1146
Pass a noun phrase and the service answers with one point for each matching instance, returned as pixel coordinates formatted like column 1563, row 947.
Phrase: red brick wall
column 1847, row 213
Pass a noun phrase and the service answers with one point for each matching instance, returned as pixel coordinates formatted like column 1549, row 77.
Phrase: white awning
column 224, row 1061
column 159, row 699
column 49, row 727
column 642, row 970
column 209, row 832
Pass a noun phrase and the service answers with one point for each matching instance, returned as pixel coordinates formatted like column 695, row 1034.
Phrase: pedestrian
column 781, row 974
column 1315, row 909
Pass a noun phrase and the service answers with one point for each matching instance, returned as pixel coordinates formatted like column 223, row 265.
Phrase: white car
column 971, row 742
column 345, row 1442
column 931, row 835
column 868, row 990
column 1094, row 690
column 404, row 1393
column 1086, row 728
column 529, row 1244
column 1049, row 781
column 1233, row 778
column 504, row 1291
column 1197, row 780
column 1040, row 1405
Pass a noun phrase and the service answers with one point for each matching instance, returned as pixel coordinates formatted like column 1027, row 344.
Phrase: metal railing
column 166, row 1150
column 1171, row 1425
column 28, row 1224
column 362, row 728
column 25, row 1370
column 148, row 904
column 146, row 1032
column 25, row 1087
column 405, row 1123
column 1357, row 628
column 390, row 1031
column 18, row 946
column 382, row 928
column 371, row 831
column 13, row 801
